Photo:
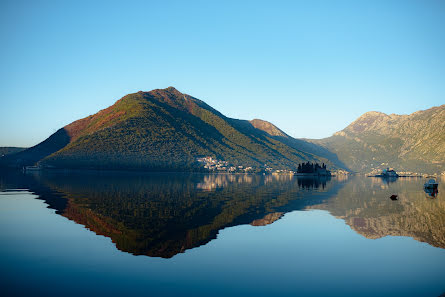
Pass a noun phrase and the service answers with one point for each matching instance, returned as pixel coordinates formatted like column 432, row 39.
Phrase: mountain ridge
column 413, row 142
column 162, row 129
column 165, row 129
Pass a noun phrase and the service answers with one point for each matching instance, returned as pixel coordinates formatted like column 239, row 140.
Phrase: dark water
column 219, row 235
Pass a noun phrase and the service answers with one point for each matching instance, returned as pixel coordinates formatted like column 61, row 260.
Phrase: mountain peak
column 267, row 127
column 373, row 114
column 367, row 121
column 171, row 89
column 170, row 93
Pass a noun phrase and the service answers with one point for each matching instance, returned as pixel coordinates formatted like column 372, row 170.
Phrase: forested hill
column 163, row 129
column 414, row 142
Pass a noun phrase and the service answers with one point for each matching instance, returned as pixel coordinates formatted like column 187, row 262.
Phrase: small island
column 312, row 169
column 390, row 173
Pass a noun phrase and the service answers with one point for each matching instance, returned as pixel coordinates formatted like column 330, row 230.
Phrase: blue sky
column 310, row 67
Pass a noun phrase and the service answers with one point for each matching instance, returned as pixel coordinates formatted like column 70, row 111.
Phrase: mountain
column 163, row 129
column 414, row 142
column 299, row 144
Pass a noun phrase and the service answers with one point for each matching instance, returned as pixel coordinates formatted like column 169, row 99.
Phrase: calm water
column 219, row 235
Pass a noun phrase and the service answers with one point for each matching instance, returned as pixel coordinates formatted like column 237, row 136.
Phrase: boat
column 393, row 197
column 431, row 184
column 31, row 168
column 432, row 193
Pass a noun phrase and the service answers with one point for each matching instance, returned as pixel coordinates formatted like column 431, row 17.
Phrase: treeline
column 310, row 167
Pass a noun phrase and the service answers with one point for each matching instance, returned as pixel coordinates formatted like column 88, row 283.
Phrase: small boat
column 431, row 184
column 393, row 197
column 31, row 168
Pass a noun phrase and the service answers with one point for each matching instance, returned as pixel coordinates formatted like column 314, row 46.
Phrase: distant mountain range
column 414, row 142
column 10, row 150
column 166, row 130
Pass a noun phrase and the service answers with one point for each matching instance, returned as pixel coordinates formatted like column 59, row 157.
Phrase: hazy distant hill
column 414, row 142
column 162, row 129
column 10, row 150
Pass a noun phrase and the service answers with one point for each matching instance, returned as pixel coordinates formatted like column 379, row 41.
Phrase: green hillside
column 414, row 142
column 162, row 129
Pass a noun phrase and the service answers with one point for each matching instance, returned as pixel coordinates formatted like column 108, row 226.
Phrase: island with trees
column 313, row 169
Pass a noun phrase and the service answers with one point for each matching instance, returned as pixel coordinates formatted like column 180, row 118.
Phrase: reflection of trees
column 365, row 205
column 162, row 215
column 388, row 179
column 312, row 182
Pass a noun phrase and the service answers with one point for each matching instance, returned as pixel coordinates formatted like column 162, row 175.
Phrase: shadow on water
column 162, row 215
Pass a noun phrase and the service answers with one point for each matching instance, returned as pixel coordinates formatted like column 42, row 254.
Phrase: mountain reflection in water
column 161, row 215
column 364, row 204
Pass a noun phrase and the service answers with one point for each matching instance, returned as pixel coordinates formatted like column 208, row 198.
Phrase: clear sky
column 310, row 67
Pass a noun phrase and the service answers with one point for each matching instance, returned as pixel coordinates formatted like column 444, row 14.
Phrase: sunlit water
column 219, row 235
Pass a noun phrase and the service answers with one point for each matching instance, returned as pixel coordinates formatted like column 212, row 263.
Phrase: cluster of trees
column 310, row 167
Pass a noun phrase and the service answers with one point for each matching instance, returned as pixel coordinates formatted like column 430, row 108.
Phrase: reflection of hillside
column 365, row 205
column 162, row 215
column 218, row 181
column 268, row 219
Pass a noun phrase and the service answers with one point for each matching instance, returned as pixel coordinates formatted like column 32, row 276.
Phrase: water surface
column 215, row 235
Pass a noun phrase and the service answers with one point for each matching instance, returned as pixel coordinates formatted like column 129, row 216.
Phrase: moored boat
column 31, row 168
column 431, row 184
